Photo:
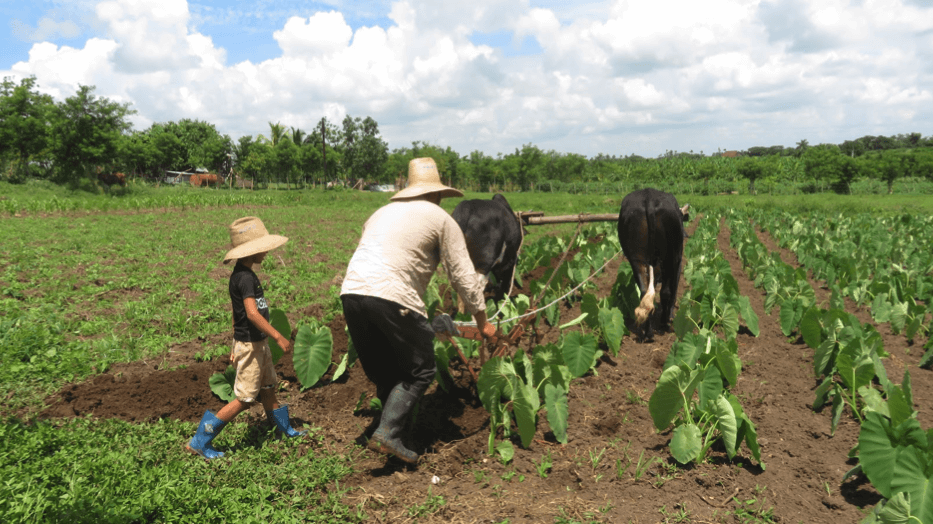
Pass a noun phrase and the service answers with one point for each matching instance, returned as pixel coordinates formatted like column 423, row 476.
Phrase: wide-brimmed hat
column 249, row 236
column 423, row 178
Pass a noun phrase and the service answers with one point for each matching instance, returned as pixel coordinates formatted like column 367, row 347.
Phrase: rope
column 535, row 312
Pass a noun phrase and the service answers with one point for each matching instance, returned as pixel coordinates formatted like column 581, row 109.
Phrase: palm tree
column 802, row 146
column 298, row 136
column 276, row 133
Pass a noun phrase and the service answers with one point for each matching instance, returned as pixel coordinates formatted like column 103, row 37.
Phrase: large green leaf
column 555, row 400
column 590, row 306
column 612, row 325
column 748, row 315
column 747, row 431
column 824, row 358
column 579, row 351
column 822, row 392
column 787, row 316
column 873, row 401
column 685, row 351
column 675, row 386
column 525, row 407
column 839, row 404
column 710, row 387
column 914, row 475
column 730, row 321
column 811, row 329
column 880, row 445
column 682, row 323
column 686, row 443
column 856, row 370
column 313, row 352
column 222, row 384
column 280, row 322
column 725, row 421
column 894, row 511
column 495, row 382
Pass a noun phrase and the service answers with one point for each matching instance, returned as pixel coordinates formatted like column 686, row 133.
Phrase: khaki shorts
column 254, row 369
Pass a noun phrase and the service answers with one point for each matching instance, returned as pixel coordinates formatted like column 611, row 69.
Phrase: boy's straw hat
column 423, row 178
column 248, row 236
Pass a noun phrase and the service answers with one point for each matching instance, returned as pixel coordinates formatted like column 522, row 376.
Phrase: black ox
column 651, row 231
column 493, row 235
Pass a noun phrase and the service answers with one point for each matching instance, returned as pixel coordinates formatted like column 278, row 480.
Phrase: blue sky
column 615, row 77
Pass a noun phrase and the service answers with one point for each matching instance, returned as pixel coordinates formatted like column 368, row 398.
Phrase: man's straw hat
column 248, row 236
column 423, row 178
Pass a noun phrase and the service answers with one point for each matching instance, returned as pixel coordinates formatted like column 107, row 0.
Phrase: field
column 112, row 321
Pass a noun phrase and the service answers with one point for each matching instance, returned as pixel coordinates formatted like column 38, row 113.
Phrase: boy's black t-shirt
column 244, row 284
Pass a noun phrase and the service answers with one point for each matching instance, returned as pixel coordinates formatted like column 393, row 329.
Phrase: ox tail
column 644, row 309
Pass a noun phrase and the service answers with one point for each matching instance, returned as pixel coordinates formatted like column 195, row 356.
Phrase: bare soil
column 609, row 430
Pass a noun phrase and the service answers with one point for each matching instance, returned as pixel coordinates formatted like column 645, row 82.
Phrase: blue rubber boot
column 208, row 429
column 388, row 436
column 283, row 423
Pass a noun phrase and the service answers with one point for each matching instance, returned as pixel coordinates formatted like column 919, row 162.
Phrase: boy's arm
column 252, row 313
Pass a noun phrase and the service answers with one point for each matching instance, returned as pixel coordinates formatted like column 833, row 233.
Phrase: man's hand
column 485, row 328
column 488, row 330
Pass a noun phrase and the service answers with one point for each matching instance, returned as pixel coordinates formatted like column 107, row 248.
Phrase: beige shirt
column 402, row 244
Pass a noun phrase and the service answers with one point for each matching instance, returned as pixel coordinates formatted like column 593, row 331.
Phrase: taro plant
column 896, row 455
column 690, row 395
column 713, row 301
column 608, row 320
column 515, row 387
column 848, row 356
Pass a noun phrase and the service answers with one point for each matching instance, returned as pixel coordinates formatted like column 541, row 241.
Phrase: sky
column 613, row 77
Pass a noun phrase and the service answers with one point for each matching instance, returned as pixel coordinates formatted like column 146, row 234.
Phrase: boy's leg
column 232, row 409
column 268, row 382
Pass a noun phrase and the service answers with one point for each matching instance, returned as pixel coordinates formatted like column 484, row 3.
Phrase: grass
column 93, row 471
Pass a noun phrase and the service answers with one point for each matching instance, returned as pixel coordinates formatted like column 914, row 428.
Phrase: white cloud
column 44, row 30
column 151, row 34
column 615, row 77
column 323, row 33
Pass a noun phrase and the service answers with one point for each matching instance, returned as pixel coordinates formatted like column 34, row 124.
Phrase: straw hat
column 248, row 236
column 423, row 178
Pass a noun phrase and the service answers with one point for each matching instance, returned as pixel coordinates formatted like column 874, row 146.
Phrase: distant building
column 729, row 154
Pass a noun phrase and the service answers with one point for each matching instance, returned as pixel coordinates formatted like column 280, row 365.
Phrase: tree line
column 84, row 135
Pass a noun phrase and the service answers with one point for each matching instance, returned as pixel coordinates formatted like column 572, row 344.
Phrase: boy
column 255, row 375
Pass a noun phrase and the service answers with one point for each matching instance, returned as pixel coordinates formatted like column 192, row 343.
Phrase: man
column 401, row 246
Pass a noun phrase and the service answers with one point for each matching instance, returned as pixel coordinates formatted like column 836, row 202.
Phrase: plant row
column 879, row 261
column 693, row 393
column 893, row 452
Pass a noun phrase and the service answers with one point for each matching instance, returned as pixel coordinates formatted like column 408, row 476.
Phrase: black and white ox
column 651, row 231
column 493, row 235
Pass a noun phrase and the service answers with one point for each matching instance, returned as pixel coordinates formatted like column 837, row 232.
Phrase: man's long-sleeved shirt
column 401, row 246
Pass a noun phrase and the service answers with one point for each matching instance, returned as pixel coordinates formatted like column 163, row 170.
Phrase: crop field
column 794, row 387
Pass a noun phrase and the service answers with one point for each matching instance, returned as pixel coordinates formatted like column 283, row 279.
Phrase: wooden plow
column 502, row 344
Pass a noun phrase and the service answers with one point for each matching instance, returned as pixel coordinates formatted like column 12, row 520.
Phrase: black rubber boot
column 395, row 412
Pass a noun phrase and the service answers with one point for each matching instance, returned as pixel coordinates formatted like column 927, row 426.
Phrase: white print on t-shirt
column 261, row 303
